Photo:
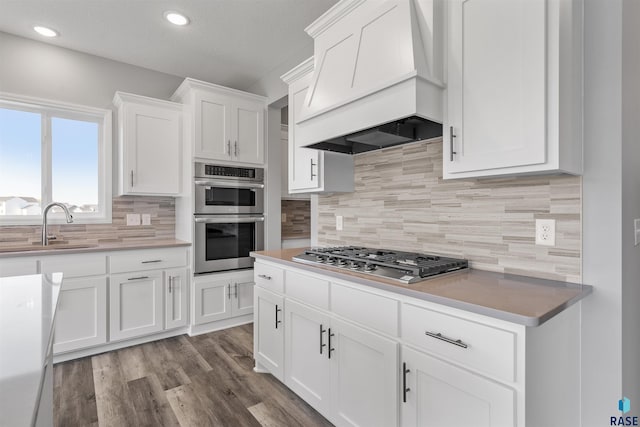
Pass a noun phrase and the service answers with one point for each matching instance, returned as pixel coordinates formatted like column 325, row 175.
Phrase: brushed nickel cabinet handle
column 138, row 278
column 452, row 135
column 170, row 282
column 312, row 165
column 131, row 178
column 235, row 148
column 441, row 337
column 229, row 147
column 229, row 291
column 151, row 261
column 264, row 276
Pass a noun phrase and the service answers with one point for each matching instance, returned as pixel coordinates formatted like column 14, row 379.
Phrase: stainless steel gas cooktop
column 406, row 267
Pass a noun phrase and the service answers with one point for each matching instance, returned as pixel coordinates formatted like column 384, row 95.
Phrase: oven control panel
column 203, row 170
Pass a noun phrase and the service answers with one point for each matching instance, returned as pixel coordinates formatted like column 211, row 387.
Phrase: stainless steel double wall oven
column 229, row 216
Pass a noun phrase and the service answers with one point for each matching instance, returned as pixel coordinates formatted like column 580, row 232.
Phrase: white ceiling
column 229, row 42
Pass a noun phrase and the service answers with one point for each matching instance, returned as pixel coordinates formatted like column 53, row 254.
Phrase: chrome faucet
column 45, row 237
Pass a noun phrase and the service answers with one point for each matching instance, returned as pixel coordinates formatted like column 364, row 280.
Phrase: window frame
column 48, row 109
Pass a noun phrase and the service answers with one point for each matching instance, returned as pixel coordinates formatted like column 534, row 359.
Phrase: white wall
column 602, row 206
column 630, row 201
column 38, row 69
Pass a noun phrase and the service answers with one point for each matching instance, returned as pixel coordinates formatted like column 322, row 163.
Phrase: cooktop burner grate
column 406, row 267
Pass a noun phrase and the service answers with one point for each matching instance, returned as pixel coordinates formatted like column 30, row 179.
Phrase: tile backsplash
column 401, row 202
column 162, row 210
column 297, row 219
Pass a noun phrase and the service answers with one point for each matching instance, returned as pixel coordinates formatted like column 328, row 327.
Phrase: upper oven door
column 219, row 196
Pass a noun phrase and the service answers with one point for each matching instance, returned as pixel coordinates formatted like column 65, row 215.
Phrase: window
column 53, row 152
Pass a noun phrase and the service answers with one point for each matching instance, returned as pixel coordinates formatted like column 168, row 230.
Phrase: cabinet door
column 81, row 316
column 152, row 150
column 212, row 300
column 307, row 366
column 176, row 298
column 442, row 395
column 243, row 294
column 213, row 131
column 269, row 331
column 304, row 163
column 364, row 377
column 496, row 85
column 135, row 304
column 248, row 131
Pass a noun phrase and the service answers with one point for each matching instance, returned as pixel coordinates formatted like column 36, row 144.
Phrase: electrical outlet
column 636, row 228
column 283, row 217
column 133, row 219
column 339, row 222
column 546, row 232
column 146, row 219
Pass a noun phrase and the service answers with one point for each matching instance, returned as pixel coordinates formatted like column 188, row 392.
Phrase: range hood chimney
column 377, row 80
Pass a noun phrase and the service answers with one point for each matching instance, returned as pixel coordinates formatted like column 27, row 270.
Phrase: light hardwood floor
column 206, row 380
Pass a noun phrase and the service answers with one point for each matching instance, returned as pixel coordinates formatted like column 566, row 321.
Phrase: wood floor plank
column 189, row 409
column 272, row 416
column 150, row 402
column 164, row 366
column 133, row 362
column 74, row 393
column 112, row 395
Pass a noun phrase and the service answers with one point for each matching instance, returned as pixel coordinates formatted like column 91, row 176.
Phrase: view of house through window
column 48, row 155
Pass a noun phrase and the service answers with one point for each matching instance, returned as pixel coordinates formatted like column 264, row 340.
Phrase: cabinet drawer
column 18, row 267
column 307, row 288
column 488, row 349
column 369, row 309
column 150, row 259
column 269, row 277
column 76, row 265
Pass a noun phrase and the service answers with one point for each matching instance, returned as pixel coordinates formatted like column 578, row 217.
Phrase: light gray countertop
column 27, row 311
column 524, row 300
column 7, row 251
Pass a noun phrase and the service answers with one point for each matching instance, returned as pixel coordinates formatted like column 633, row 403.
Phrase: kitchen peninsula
column 27, row 312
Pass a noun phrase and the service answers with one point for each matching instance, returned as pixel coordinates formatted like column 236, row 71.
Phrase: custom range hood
column 377, row 79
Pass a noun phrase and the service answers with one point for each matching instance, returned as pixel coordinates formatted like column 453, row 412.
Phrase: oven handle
column 225, row 220
column 226, row 184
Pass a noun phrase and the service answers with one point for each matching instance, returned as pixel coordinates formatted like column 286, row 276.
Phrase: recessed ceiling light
column 44, row 31
column 176, row 18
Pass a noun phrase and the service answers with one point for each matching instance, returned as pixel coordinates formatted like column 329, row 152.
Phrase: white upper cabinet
column 150, row 145
column 312, row 171
column 228, row 124
column 514, row 88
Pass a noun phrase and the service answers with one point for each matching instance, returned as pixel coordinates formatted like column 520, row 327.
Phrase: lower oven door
column 223, row 242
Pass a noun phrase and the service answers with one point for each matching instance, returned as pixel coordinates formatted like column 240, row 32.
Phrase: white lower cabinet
column 439, row 394
column 221, row 296
column 307, row 348
column 364, row 377
column 347, row 373
column 176, row 298
column 268, row 339
column 135, row 304
column 81, row 316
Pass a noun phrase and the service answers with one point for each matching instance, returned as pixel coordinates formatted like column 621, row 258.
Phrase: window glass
column 74, row 164
column 20, row 162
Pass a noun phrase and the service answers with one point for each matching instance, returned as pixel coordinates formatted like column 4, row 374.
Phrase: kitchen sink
column 51, row 246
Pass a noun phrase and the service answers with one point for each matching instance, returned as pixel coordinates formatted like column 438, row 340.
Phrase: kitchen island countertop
column 27, row 311
column 524, row 300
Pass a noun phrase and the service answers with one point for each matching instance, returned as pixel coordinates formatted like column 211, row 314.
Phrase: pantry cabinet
column 312, row 171
column 514, row 87
column 149, row 146
column 227, row 124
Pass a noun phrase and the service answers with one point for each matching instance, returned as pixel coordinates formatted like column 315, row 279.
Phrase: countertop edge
column 97, row 248
column 461, row 305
